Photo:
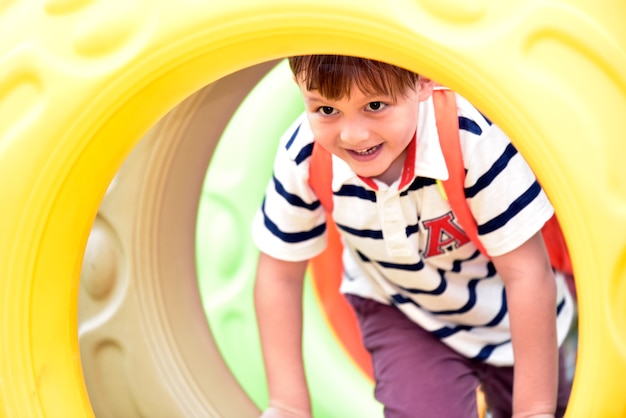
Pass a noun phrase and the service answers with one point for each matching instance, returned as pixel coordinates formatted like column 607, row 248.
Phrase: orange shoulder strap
column 321, row 176
column 448, row 128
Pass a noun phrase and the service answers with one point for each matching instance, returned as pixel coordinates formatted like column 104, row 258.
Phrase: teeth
column 367, row 151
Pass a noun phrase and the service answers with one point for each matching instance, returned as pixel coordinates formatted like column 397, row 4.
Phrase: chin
column 370, row 174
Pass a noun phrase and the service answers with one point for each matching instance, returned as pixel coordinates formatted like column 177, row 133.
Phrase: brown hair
column 333, row 75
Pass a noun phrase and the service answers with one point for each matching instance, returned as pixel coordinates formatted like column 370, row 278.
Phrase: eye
column 326, row 110
column 375, row 106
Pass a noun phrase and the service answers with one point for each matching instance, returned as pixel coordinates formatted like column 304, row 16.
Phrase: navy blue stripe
column 292, row 237
column 469, row 125
column 488, row 349
column 457, row 264
column 363, row 233
column 349, row 190
column 471, row 301
column 363, row 257
column 560, row 306
column 448, row 331
column 486, row 119
column 373, row 233
column 497, row 167
column 412, row 229
column 417, row 184
column 294, row 200
column 304, row 153
column 504, row 308
column 293, row 137
column 443, row 284
column 398, row 299
column 516, row 207
column 406, row 267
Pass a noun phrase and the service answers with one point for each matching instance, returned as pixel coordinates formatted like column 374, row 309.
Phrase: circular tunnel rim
column 35, row 245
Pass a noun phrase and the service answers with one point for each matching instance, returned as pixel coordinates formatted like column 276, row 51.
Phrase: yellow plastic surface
column 81, row 82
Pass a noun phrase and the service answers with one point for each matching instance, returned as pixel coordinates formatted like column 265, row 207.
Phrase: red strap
column 556, row 246
column 321, row 176
column 448, row 128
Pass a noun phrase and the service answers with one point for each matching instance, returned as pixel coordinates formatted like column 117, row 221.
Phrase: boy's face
column 369, row 132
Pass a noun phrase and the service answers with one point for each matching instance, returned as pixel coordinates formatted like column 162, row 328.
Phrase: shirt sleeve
column 291, row 224
column 504, row 195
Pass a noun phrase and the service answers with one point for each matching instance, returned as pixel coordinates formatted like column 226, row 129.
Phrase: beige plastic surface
column 145, row 344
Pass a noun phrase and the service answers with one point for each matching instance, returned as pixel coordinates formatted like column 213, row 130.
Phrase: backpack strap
column 556, row 246
column 321, row 176
column 447, row 120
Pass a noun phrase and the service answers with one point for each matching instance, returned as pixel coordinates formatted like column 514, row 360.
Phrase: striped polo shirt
column 402, row 242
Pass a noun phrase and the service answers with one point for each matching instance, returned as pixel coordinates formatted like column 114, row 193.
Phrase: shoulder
column 292, row 162
column 471, row 120
column 296, row 143
column 480, row 138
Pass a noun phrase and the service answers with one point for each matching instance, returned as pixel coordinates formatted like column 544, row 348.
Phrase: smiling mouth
column 367, row 151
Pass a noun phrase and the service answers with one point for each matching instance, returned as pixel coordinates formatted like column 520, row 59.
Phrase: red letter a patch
column 443, row 235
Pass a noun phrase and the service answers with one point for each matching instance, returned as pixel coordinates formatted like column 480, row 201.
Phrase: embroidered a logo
column 444, row 235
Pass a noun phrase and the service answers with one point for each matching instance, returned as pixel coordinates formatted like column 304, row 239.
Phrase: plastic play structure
column 111, row 112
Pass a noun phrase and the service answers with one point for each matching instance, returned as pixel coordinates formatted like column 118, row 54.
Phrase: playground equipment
column 81, row 83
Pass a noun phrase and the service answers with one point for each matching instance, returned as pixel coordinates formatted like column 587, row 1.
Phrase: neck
column 394, row 171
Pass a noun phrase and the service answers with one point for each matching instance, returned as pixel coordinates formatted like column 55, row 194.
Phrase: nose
column 354, row 132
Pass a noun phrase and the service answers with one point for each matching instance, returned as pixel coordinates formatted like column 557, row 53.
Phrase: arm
column 531, row 298
column 278, row 303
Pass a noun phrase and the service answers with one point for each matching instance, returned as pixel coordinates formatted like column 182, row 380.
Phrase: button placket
column 393, row 224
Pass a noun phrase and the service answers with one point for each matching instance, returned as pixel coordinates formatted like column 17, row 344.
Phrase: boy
column 437, row 316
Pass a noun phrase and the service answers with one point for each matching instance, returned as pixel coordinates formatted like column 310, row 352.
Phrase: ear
column 426, row 86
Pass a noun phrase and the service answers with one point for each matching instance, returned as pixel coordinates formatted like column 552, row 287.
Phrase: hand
column 282, row 411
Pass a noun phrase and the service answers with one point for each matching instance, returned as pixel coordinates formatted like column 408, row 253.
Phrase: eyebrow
column 315, row 99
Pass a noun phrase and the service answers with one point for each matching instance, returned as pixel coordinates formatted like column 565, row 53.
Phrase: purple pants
column 419, row 376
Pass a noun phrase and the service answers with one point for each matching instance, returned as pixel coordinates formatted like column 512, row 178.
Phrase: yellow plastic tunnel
column 82, row 82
